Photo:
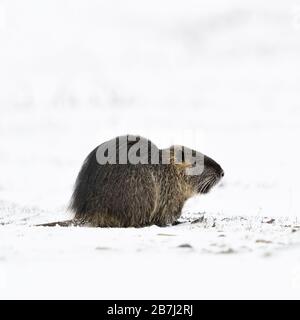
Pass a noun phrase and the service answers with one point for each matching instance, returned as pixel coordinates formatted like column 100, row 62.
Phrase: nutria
column 150, row 189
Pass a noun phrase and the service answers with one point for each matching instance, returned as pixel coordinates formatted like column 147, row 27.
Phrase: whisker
column 207, row 183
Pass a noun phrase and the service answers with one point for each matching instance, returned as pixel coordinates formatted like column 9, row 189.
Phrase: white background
column 222, row 77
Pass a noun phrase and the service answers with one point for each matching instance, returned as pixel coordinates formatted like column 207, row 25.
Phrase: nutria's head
column 200, row 171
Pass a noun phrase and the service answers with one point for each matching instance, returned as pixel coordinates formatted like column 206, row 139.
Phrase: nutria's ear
column 183, row 165
column 177, row 157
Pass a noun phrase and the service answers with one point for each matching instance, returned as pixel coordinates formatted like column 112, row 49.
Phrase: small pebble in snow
column 102, row 248
column 270, row 221
column 185, row 245
column 263, row 241
column 226, row 251
column 267, row 254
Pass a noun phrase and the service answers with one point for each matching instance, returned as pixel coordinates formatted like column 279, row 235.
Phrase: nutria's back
column 119, row 194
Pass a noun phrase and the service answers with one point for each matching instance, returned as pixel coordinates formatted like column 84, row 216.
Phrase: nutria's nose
column 222, row 173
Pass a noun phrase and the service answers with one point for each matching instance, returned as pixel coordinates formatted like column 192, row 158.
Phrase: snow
column 217, row 257
column 220, row 76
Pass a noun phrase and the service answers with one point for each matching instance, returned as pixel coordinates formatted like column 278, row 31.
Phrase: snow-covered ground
column 222, row 77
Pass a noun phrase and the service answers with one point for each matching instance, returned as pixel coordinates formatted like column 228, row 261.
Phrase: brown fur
column 127, row 195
